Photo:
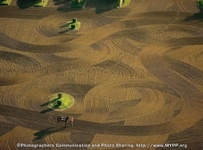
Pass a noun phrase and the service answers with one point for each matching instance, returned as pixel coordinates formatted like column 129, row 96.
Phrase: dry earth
column 136, row 73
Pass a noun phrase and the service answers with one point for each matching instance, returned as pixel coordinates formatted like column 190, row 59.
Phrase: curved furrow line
column 115, row 60
column 45, row 85
column 78, row 91
column 96, row 101
column 109, row 29
column 173, row 31
column 89, row 136
column 47, row 30
column 102, row 96
column 82, row 41
column 189, row 40
column 151, row 101
column 98, row 20
column 192, row 59
column 189, row 6
column 9, row 42
column 163, row 115
column 156, row 14
column 188, row 71
column 26, row 99
column 116, row 67
column 54, row 64
column 56, row 25
column 124, row 44
column 157, row 5
column 174, row 8
column 151, row 85
column 24, row 95
column 6, row 141
column 189, row 54
column 50, row 58
column 98, row 52
column 153, row 60
column 29, row 100
column 19, row 59
column 52, row 25
column 62, row 67
column 24, row 66
column 93, row 54
column 58, row 138
column 101, row 46
column 184, row 27
column 159, row 20
column 189, row 136
column 16, row 68
column 95, row 76
column 6, row 81
column 113, row 14
column 7, row 99
column 22, row 30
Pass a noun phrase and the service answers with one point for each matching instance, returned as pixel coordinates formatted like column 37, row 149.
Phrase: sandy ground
column 136, row 74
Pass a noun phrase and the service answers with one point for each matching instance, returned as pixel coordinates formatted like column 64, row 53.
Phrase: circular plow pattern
column 136, row 77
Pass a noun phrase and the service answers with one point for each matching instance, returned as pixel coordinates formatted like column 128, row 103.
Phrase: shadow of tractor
column 198, row 17
column 63, row 5
column 99, row 5
column 58, row 104
column 22, row 4
column 45, row 132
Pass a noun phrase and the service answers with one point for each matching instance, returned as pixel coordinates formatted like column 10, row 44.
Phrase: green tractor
column 78, row 3
column 5, row 2
column 200, row 4
column 41, row 3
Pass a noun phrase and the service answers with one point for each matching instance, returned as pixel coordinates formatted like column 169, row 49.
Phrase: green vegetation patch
column 6, row 2
column 41, row 3
column 78, row 3
column 200, row 4
column 61, row 101
column 124, row 3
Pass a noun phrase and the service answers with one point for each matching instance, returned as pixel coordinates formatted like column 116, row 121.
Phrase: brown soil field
column 136, row 74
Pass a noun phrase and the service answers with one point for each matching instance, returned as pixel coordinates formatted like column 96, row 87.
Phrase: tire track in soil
column 188, row 71
column 87, row 39
column 54, row 25
column 189, row 6
column 35, row 120
column 22, row 60
column 152, row 58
